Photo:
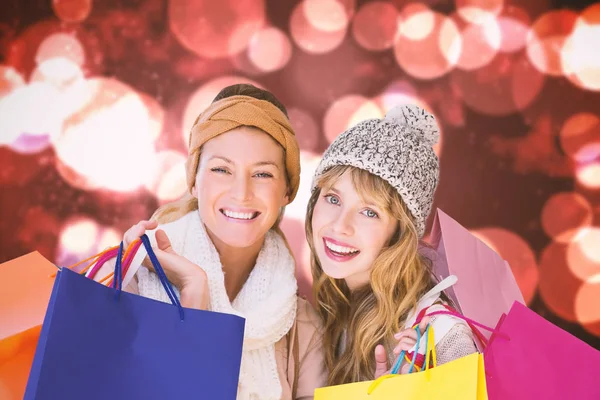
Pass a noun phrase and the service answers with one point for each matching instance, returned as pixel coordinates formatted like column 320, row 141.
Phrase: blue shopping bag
column 98, row 342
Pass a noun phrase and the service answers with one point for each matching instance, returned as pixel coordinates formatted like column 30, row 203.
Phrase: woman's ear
column 194, row 191
column 286, row 199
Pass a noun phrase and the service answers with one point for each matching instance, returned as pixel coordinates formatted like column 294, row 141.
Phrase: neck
column 237, row 263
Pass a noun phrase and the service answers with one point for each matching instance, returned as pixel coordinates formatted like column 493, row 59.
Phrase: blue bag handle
column 396, row 368
column 118, row 277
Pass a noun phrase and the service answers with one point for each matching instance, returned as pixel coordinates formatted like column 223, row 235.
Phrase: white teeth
column 340, row 249
column 237, row 215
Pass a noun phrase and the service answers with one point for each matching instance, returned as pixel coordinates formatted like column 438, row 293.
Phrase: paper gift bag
column 530, row 358
column 486, row 287
column 461, row 379
column 25, row 286
column 99, row 342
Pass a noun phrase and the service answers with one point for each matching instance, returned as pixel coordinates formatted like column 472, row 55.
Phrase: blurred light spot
column 375, row 25
column 546, row 39
column 10, row 79
column 587, row 300
column 156, row 113
column 21, row 52
column 429, row 44
column 306, row 128
column 589, row 176
column 590, row 15
column 326, row 15
column 517, row 253
column 588, row 153
column 557, row 285
column 478, row 11
column 203, row 97
column 480, row 42
column 216, row 29
column 169, row 180
column 564, row 214
column 82, row 237
column 589, row 242
column 417, row 21
column 107, row 141
column 311, row 39
column 578, row 132
column 72, row 10
column 297, row 209
column 583, row 254
column 270, row 49
column 510, row 84
column 61, row 45
column 79, row 235
column 514, row 27
column 59, row 72
column 107, row 238
column 581, row 52
column 73, row 178
column 36, row 110
column 347, row 112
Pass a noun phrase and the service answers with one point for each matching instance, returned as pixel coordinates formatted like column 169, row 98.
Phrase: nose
column 343, row 223
column 242, row 189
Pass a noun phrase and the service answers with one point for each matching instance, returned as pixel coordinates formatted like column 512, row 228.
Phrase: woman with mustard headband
column 221, row 246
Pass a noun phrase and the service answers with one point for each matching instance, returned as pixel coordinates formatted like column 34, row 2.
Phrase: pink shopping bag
column 527, row 357
column 486, row 287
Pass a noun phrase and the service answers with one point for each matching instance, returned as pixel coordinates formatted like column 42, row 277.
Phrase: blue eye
column 331, row 199
column 370, row 213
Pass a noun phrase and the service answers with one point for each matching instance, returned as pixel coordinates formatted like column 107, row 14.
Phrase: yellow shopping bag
column 461, row 379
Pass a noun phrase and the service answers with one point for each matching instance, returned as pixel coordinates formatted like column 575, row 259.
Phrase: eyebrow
column 257, row 164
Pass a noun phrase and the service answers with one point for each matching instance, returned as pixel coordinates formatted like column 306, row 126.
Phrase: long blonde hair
column 371, row 315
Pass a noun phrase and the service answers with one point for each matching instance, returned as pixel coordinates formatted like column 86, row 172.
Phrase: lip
column 336, row 257
column 239, row 210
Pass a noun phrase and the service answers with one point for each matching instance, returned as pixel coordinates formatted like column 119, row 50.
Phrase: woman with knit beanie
column 222, row 248
column 372, row 193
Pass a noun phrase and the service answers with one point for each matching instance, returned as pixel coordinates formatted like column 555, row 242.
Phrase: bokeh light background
column 97, row 98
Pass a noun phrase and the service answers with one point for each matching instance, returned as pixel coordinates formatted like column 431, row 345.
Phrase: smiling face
column 241, row 186
column 349, row 230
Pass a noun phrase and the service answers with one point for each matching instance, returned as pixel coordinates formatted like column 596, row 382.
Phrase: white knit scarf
column 267, row 300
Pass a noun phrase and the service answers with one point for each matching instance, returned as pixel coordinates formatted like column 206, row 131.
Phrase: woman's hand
column 138, row 230
column 406, row 341
column 189, row 278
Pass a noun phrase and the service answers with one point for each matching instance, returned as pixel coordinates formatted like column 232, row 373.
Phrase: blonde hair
column 370, row 315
